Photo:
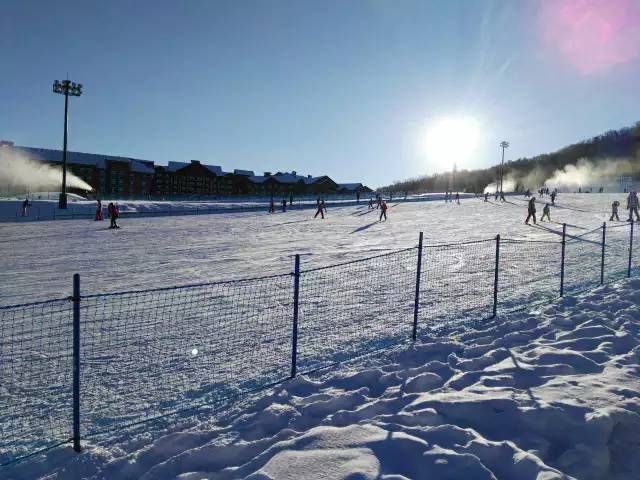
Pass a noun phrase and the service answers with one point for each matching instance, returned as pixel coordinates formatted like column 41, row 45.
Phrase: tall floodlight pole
column 453, row 189
column 65, row 88
column 504, row 144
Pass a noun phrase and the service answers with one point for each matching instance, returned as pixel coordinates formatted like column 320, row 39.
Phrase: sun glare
column 452, row 140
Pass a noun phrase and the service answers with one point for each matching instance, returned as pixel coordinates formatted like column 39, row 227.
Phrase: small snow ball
column 194, row 352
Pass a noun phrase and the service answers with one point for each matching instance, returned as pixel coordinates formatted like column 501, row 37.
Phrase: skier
column 383, row 211
column 371, row 204
column 323, row 205
column 632, row 206
column 320, row 210
column 502, row 199
column 546, row 212
column 113, row 214
column 486, row 196
column 284, row 205
column 527, row 194
column 532, row 210
column 290, row 199
column 496, row 196
column 272, row 206
column 457, row 199
column 98, row 210
column 553, row 197
column 25, row 204
column 614, row 211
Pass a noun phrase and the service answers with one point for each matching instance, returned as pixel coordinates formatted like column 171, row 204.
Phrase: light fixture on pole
column 65, row 88
column 504, row 144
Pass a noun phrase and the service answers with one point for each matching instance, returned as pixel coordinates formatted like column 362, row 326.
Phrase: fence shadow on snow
column 86, row 365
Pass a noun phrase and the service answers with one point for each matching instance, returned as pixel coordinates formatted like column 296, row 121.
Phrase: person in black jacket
column 532, row 210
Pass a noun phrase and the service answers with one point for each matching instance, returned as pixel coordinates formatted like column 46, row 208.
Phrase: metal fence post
column 495, row 280
column 630, row 249
column 296, row 295
column 604, row 234
column 76, row 363
column 416, row 304
column 564, row 244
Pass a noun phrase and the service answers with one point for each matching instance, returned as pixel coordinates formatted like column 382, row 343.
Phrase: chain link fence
column 87, row 365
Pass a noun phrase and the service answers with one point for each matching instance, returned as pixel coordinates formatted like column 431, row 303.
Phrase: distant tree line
column 623, row 143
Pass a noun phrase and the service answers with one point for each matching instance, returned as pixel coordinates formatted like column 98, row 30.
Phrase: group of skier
column 498, row 194
column 531, row 212
column 632, row 206
column 112, row 210
column 283, row 203
column 381, row 205
column 448, row 197
column 321, row 207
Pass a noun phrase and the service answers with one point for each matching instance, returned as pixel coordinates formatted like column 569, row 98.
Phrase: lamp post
column 65, row 88
column 504, row 144
column 454, row 177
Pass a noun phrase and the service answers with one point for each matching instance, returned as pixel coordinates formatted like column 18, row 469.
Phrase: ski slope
column 137, row 359
column 161, row 251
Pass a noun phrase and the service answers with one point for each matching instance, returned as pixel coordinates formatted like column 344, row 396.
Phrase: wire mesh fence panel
column 635, row 250
column 354, row 308
column 36, row 361
column 456, row 285
column 583, row 255
column 529, row 273
column 616, row 252
column 148, row 354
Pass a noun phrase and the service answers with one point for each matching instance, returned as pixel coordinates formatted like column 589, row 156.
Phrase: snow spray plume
column 19, row 171
column 508, row 185
column 516, row 180
column 586, row 172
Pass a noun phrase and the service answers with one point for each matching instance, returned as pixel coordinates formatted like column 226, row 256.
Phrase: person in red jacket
column 98, row 210
column 383, row 211
column 113, row 214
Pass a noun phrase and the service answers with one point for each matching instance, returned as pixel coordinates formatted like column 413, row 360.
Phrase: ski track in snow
column 550, row 394
column 163, row 251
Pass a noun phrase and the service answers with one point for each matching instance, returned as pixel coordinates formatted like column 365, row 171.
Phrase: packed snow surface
column 545, row 394
column 161, row 251
column 524, row 396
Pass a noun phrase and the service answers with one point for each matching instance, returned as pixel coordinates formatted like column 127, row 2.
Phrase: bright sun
column 452, row 140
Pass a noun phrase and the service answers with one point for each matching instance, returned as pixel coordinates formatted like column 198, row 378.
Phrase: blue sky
column 346, row 88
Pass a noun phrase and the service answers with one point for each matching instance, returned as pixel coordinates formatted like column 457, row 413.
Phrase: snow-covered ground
column 44, row 206
column 550, row 393
column 150, row 353
column 41, row 257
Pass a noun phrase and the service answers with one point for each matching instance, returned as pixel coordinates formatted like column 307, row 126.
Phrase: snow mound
column 546, row 395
